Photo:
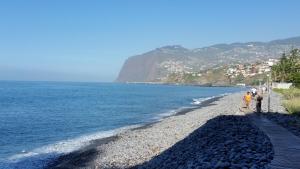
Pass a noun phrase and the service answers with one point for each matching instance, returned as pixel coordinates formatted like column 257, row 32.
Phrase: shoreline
column 179, row 84
column 183, row 111
column 87, row 154
column 82, row 156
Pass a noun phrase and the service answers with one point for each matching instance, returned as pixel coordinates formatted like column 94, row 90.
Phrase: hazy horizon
column 89, row 41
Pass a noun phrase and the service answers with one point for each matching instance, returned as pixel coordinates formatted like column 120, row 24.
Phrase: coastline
column 88, row 156
column 183, row 111
column 179, row 84
column 80, row 157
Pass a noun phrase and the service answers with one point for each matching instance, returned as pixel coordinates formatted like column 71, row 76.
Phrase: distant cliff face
column 155, row 65
column 146, row 67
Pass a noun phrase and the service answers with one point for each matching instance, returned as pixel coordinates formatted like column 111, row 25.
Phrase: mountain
column 156, row 65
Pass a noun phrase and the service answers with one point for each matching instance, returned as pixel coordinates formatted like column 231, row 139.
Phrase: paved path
column 286, row 145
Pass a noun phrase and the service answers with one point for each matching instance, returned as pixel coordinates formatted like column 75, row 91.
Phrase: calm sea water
column 41, row 120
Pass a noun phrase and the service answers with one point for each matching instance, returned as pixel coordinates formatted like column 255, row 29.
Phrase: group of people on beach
column 255, row 95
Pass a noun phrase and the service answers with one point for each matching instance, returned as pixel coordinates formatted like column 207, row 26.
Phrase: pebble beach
column 217, row 135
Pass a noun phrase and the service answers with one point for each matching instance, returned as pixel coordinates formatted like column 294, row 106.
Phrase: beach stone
column 214, row 136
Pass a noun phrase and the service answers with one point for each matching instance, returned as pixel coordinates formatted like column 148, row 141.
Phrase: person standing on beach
column 247, row 99
column 254, row 92
column 259, row 99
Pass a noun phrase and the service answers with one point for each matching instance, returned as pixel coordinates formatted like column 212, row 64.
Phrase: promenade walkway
column 286, row 145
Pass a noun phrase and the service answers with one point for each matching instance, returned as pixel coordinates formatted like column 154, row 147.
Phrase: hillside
column 160, row 64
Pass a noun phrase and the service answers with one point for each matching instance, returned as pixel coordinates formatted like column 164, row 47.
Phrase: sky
column 89, row 40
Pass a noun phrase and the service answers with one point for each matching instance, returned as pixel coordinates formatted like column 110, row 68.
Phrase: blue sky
column 86, row 40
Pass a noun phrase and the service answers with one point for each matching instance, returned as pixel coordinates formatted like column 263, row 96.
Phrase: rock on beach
column 217, row 135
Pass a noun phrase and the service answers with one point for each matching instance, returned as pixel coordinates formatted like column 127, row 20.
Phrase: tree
column 240, row 78
column 288, row 68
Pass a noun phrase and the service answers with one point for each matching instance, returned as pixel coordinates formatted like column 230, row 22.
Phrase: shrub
column 289, row 93
column 292, row 105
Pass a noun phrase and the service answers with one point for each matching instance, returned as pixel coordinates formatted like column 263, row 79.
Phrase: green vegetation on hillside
column 215, row 77
column 256, row 80
column 209, row 77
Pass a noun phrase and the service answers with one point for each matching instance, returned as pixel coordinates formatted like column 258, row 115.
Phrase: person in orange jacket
column 247, row 99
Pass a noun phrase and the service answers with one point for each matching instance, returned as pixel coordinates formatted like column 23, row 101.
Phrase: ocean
column 40, row 121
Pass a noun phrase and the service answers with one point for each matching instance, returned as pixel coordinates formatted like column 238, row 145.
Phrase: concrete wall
column 281, row 85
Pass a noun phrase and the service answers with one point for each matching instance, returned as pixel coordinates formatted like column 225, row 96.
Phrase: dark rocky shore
column 223, row 142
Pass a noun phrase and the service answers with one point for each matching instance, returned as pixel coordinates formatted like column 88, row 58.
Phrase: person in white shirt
column 254, row 92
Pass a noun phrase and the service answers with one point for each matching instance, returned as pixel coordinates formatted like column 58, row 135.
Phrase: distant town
column 234, row 74
column 250, row 70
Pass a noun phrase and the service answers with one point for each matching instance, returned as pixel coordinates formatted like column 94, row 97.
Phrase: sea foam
column 40, row 157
